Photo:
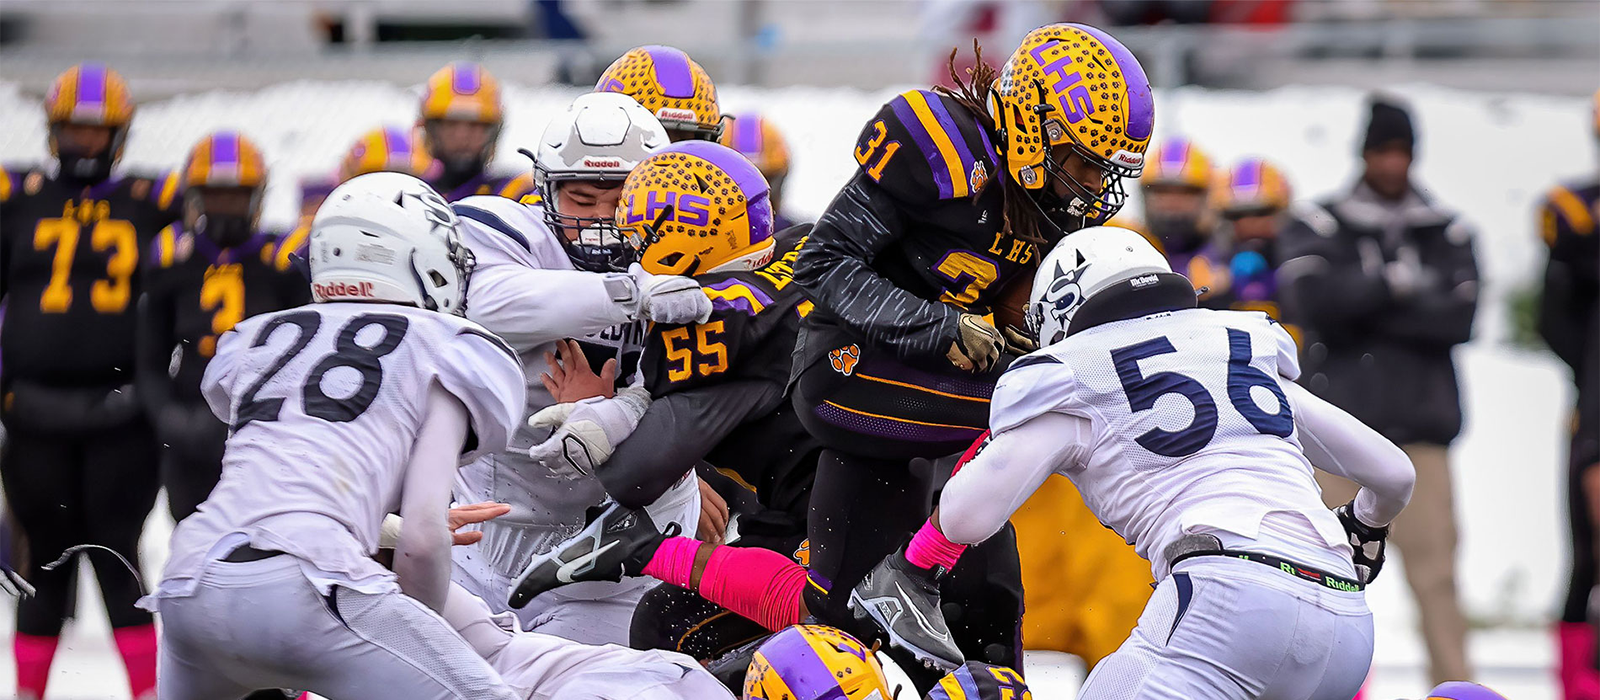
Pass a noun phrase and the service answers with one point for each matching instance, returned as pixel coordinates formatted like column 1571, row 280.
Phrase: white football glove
column 669, row 299
column 589, row 430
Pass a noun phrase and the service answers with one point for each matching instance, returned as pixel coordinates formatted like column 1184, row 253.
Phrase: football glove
column 1368, row 542
column 977, row 344
column 1017, row 342
column 588, row 431
column 669, row 299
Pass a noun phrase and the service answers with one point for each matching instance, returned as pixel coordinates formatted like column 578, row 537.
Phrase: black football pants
column 67, row 489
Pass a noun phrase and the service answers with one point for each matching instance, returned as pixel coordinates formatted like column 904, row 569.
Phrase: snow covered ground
column 1490, row 155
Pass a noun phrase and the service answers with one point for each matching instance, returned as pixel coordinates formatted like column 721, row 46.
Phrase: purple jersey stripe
column 91, row 83
column 225, row 149
column 894, row 429
column 802, row 670
column 942, row 113
column 672, row 71
column 756, row 292
column 464, row 78
column 1141, row 104
column 942, row 383
column 941, row 173
column 969, row 685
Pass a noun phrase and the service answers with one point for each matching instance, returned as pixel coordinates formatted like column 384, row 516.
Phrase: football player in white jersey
column 550, row 268
column 1186, row 434
column 341, row 412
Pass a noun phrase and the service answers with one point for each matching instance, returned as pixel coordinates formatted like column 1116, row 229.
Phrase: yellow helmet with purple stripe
column 1177, row 162
column 1253, row 187
column 89, row 94
column 225, row 159
column 463, row 91
column 388, row 149
column 672, row 86
column 1073, row 85
column 814, row 662
column 220, row 161
column 976, row 680
column 696, row 207
column 758, row 139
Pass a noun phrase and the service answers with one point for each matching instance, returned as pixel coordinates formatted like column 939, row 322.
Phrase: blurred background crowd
column 1410, row 185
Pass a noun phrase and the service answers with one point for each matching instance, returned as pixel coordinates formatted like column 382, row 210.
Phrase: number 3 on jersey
column 1143, row 391
column 346, row 353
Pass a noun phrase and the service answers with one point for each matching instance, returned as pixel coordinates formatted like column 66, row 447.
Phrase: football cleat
column 616, row 542
column 902, row 601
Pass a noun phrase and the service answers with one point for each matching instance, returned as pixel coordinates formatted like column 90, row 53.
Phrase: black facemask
column 95, row 168
column 226, row 230
column 1179, row 233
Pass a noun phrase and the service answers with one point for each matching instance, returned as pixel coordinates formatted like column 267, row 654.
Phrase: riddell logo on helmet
column 682, row 115
column 1132, row 160
column 602, row 163
column 342, row 289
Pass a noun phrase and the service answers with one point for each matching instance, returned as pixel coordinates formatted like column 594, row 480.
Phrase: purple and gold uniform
column 464, row 91
column 196, row 289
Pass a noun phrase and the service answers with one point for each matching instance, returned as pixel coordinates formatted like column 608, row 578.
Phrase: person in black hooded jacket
column 1383, row 281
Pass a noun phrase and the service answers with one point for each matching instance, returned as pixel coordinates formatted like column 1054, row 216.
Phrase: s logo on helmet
column 1070, row 91
column 1064, row 296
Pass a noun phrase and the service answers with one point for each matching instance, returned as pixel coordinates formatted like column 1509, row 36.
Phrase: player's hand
column 462, row 516
column 1017, row 342
column 977, row 344
column 587, row 432
column 1368, row 542
column 713, row 515
column 670, row 299
column 570, row 379
column 11, row 558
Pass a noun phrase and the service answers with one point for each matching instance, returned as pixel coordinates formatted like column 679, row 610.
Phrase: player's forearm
column 835, row 271
column 471, row 618
column 678, row 431
column 422, row 557
column 981, row 497
column 1337, row 443
column 528, row 308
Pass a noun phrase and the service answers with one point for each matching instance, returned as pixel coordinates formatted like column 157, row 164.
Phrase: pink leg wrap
column 33, row 655
column 137, row 645
column 759, row 584
column 930, row 548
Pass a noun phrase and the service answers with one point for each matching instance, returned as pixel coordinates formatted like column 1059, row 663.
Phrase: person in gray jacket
column 1382, row 278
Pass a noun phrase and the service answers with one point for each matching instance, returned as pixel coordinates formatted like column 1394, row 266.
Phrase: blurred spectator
column 1569, row 320
column 1383, row 282
column 758, row 139
column 1126, row 12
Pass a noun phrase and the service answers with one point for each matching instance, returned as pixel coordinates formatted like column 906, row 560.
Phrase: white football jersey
column 1191, row 431
column 526, row 290
column 324, row 403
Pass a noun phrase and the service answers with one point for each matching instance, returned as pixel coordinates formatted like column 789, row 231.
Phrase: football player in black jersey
column 203, row 275
column 958, row 192
column 79, row 463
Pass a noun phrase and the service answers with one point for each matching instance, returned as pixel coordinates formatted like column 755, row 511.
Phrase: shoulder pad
column 1034, row 384
column 164, row 189
column 1566, row 206
column 923, row 147
column 170, row 247
column 515, row 187
column 730, row 294
column 504, row 216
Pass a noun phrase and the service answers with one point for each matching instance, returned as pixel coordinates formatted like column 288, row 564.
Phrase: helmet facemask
column 1081, row 207
column 458, row 167
column 594, row 243
column 225, row 228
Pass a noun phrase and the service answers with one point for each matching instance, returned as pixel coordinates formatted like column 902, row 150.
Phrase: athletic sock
column 930, row 548
column 33, row 654
column 137, row 645
column 759, row 584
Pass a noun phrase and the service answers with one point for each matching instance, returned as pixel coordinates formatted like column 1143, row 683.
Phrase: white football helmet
column 600, row 138
column 1112, row 272
column 389, row 237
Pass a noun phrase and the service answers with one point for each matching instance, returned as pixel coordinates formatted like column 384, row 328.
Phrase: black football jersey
column 196, row 291
column 508, row 186
column 751, row 334
column 69, row 264
column 916, row 237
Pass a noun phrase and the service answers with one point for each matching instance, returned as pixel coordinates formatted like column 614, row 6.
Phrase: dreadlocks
column 1020, row 215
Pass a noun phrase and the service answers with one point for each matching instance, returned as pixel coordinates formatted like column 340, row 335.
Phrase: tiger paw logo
column 978, row 177
column 802, row 556
column 844, row 359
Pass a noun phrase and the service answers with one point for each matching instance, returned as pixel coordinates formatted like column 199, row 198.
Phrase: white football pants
column 262, row 624
column 1229, row 629
column 559, row 669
